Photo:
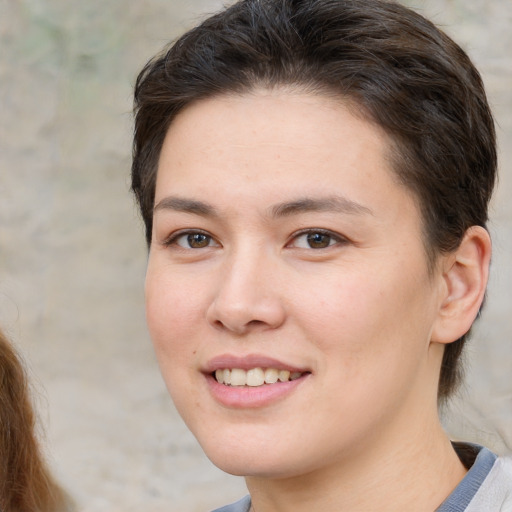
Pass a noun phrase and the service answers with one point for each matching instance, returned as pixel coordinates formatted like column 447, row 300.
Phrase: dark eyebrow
column 337, row 204
column 180, row 204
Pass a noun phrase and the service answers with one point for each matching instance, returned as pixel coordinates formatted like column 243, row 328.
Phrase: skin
column 360, row 312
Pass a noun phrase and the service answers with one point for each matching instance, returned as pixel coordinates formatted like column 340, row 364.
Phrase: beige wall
column 72, row 253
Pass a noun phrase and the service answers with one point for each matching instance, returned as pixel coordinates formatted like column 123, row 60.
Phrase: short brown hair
column 399, row 70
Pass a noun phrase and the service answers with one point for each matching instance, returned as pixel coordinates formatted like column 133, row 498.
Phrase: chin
column 261, row 468
column 253, row 461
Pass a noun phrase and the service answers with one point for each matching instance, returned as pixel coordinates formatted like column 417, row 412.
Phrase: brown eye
column 318, row 240
column 198, row 240
column 191, row 240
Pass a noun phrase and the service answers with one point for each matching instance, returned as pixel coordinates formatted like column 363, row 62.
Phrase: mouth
column 252, row 381
column 255, row 377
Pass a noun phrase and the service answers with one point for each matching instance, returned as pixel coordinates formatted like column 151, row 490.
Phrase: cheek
column 171, row 326
column 170, row 316
column 363, row 317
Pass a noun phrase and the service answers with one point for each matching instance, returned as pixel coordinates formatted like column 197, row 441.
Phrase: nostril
column 255, row 323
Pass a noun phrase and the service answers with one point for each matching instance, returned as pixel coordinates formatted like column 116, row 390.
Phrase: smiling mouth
column 254, row 377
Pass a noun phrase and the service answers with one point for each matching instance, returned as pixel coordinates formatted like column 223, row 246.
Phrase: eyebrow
column 180, row 204
column 338, row 204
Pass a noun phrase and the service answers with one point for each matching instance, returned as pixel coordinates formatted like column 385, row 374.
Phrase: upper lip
column 248, row 362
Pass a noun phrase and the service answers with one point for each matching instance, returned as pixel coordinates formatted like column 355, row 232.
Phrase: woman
column 314, row 179
column 26, row 485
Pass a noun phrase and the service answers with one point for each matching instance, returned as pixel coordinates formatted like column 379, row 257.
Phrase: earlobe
column 464, row 282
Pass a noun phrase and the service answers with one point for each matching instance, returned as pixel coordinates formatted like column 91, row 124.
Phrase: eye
column 191, row 240
column 315, row 239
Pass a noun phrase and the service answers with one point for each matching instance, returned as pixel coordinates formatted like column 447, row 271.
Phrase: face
column 288, row 294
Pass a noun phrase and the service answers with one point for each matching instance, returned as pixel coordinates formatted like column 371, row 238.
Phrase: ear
column 465, row 274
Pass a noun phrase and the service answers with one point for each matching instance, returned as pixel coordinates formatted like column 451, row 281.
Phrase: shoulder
column 495, row 493
column 487, row 485
column 242, row 505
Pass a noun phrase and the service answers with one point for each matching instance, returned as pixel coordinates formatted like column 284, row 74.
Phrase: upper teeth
column 254, row 376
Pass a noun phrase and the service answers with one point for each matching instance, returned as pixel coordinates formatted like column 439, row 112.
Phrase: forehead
column 293, row 132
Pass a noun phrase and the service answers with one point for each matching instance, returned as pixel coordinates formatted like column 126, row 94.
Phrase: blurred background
column 72, row 253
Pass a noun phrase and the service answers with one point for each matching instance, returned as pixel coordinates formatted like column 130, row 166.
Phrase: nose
column 247, row 297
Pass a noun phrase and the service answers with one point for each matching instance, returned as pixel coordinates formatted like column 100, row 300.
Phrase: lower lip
column 248, row 397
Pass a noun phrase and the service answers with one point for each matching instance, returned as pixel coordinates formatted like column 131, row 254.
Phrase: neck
column 415, row 471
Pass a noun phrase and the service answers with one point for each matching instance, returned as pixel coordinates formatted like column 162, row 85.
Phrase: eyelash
column 333, row 237
column 174, row 237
